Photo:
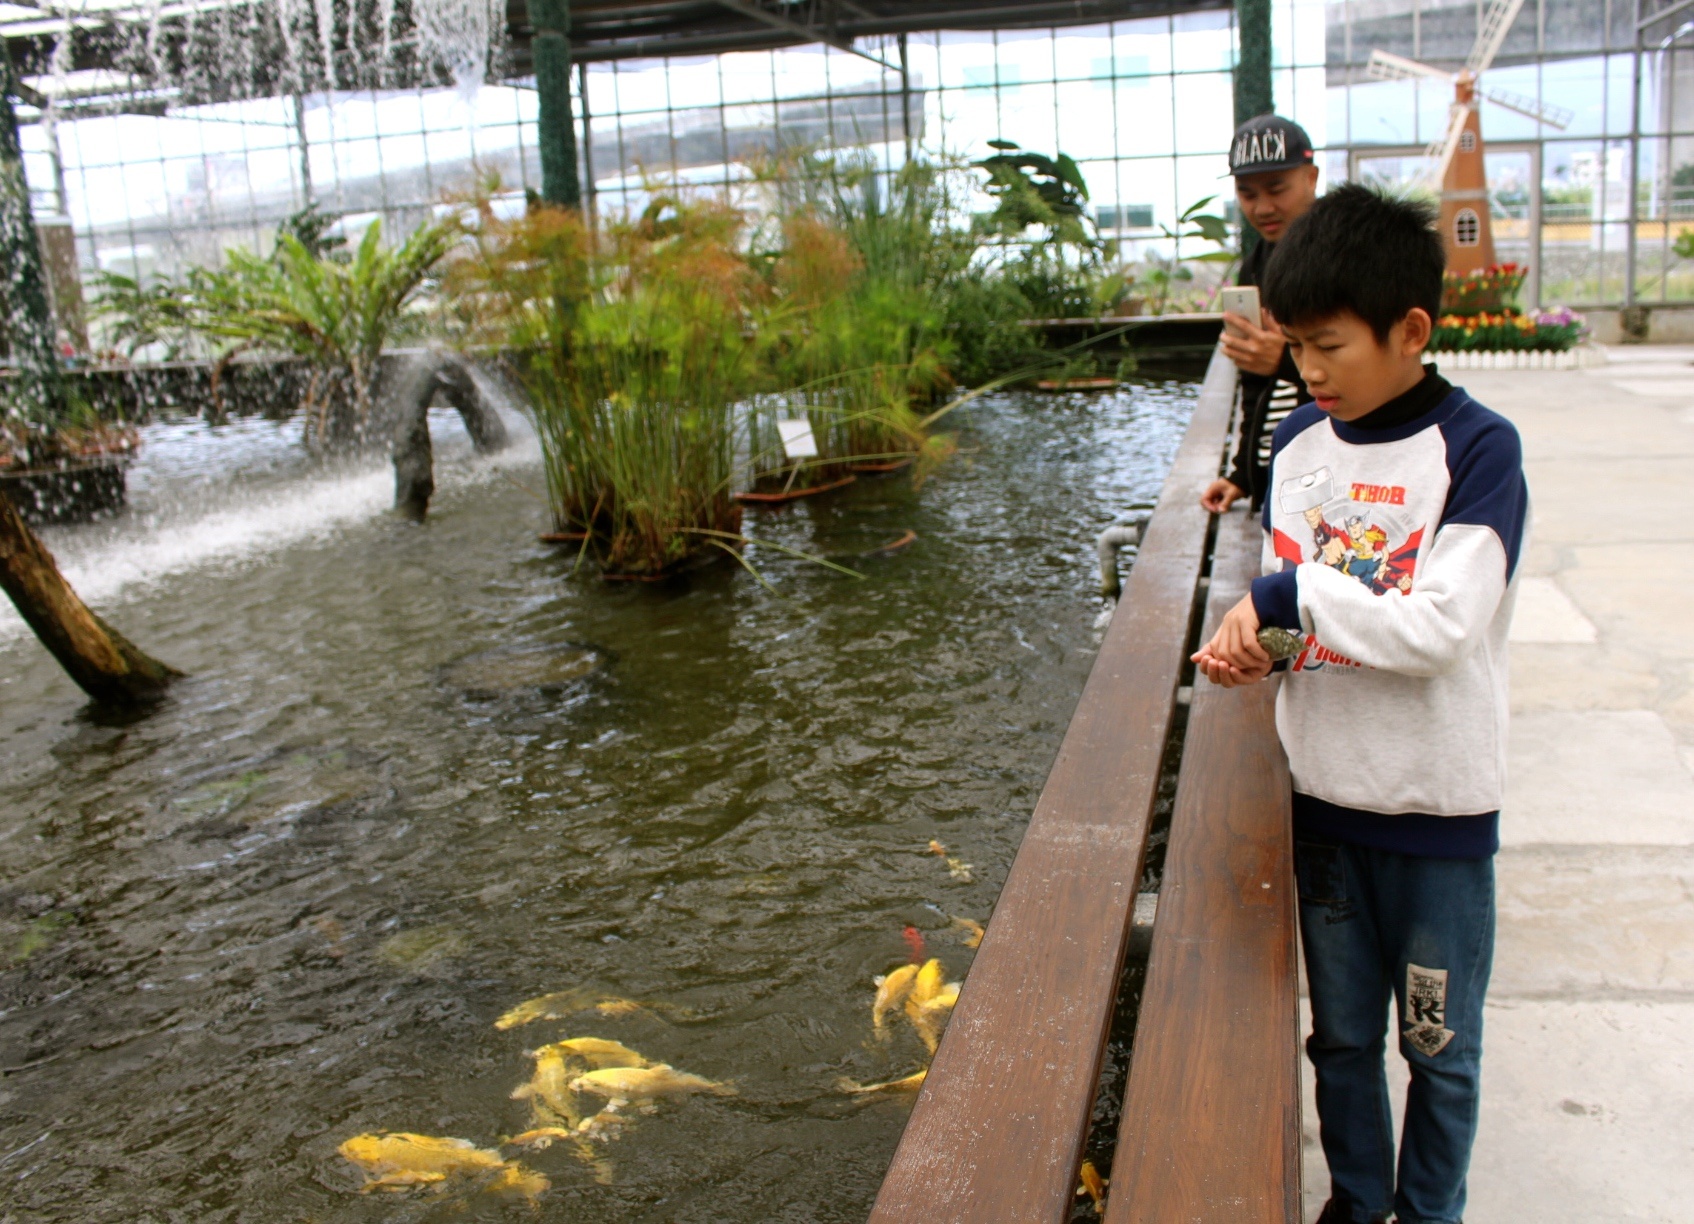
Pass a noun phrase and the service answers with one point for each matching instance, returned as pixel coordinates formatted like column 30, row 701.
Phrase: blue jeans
column 1380, row 928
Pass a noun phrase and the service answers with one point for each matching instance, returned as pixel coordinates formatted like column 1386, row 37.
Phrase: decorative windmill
column 1455, row 160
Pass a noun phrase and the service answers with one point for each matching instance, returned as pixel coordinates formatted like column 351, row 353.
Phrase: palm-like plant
column 336, row 314
column 335, row 311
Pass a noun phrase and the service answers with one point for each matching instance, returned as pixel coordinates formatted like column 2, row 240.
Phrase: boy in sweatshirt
column 1395, row 514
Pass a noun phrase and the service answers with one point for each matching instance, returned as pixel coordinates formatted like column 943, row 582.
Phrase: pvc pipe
column 1118, row 535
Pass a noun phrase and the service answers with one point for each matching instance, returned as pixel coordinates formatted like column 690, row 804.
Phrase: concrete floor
column 1588, row 1070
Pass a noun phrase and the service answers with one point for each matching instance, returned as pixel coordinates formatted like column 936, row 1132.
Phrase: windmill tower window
column 1467, row 141
column 1467, row 229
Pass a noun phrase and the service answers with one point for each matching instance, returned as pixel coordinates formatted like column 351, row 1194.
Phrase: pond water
column 418, row 775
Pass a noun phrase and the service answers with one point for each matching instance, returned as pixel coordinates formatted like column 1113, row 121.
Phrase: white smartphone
column 1243, row 300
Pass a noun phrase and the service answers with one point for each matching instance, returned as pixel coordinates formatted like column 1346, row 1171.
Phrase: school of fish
column 582, row 1090
column 579, row 1092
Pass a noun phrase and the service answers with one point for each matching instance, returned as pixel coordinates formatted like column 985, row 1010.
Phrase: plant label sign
column 797, row 439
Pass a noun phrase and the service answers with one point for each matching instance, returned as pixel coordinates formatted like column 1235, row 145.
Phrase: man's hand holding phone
column 1253, row 349
column 1251, row 338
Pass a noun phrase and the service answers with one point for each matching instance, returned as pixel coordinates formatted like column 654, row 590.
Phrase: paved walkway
column 1588, row 1074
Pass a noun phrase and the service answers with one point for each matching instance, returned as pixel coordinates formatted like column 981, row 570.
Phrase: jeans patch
column 1426, row 1010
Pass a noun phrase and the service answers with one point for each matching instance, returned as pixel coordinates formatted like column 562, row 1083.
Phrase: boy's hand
column 1220, row 495
column 1234, row 655
column 1226, row 675
column 1259, row 349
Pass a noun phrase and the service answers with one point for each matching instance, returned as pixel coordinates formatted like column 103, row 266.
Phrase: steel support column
column 1253, row 63
column 556, row 135
column 38, row 391
column 587, row 145
column 1634, row 209
column 1252, row 76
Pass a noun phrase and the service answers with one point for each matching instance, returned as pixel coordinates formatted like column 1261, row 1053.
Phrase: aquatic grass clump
column 639, row 379
column 854, row 332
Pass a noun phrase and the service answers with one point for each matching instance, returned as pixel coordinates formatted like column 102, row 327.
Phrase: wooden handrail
column 998, row 1129
column 1211, row 1119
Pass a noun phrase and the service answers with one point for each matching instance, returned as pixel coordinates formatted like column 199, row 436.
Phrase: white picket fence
column 1581, row 357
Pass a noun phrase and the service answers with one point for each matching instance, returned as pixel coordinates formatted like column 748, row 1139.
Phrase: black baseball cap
column 1269, row 142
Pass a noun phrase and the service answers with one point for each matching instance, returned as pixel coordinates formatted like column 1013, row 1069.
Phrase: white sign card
column 797, row 439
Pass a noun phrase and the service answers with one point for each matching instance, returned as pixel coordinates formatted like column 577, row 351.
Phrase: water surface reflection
column 288, row 906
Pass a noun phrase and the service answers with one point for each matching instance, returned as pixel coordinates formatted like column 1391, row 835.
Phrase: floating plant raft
column 788, row 495
column 1076, row 384
column 879, row 467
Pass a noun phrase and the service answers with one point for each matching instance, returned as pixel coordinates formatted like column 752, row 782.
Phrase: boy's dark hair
column 1357, row 249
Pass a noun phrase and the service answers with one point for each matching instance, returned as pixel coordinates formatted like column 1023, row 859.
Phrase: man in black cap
column 1275, row 182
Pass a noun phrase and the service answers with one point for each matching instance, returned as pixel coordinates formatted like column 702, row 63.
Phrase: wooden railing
column 1211, row 1117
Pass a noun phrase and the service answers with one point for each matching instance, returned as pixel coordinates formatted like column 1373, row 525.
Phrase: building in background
column 1143, row 104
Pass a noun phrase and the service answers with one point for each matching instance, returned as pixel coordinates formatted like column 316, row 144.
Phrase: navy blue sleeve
column 1276, row 600
column 1485, row 469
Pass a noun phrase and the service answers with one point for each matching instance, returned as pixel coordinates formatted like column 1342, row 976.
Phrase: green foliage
column 1032, row 189
column 854, row 329
column 637, row 375
column 1554, row 331
column 158, row 310
column 1055, row 272
column 985, row 310
column 1162, row 276
column 310, row 227
column 335, row 312
column 1684, row 244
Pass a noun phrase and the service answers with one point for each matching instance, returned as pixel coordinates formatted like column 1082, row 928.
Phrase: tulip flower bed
column 1548, row 330
column 1489, row 290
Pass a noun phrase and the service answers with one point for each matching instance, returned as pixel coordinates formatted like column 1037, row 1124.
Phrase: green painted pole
column 38, row 390
column 550, row 47
column 1253, row 67
column 1252, row 76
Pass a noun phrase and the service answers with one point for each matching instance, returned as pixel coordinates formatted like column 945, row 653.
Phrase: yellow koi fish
column 597, row 1052
column 515, row 1179
column 891, row 991
column 910, row 1083
column 1093, row 1185
column 644, row 1083
column 563, row 1004
column 548, row 1090
column 931, row 1002
column 403, row 1161
column 541, row 1138
column 972, row 929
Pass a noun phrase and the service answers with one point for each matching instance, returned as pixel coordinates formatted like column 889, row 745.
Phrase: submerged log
column 100, row 659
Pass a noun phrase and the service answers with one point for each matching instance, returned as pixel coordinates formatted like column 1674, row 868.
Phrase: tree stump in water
column 99, row 658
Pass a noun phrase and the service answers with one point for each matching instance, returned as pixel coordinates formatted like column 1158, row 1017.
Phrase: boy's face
column 1275, row 199
column 1350, row 372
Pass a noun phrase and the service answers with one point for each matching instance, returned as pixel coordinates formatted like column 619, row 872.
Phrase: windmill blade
column 1491, row 33
column 1386, row 66
column 1440, row 152
column 1553, row 116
